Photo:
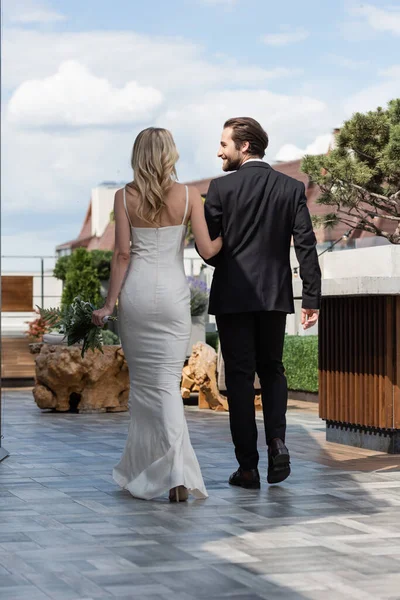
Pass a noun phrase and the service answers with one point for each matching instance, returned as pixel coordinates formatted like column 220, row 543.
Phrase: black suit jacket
column 258, row 210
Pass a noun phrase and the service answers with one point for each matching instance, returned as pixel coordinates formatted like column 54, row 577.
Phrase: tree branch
column 391, row 199
column 384, row 216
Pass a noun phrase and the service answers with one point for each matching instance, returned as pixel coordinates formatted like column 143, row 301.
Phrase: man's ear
column 245, row 147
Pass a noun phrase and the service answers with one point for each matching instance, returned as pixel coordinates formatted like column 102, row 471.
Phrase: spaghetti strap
column 187, row 204
column 126, row 210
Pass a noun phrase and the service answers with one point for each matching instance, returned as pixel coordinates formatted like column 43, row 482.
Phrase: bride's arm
column 119, row 262
column 207, row 247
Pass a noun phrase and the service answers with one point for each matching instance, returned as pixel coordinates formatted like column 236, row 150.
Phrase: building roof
column 85, row 236
column 291, row 168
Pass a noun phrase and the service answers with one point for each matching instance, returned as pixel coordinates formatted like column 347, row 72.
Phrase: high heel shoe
column 178, row 494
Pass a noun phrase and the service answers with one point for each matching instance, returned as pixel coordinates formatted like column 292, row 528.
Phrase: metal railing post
column 42, row 280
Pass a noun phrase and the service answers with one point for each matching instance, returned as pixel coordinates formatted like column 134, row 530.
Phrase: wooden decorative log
column 200, row 374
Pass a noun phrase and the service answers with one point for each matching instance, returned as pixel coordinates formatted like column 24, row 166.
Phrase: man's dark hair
column 246, row 129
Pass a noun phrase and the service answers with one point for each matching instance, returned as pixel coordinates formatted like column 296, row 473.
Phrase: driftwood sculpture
column 200, row 374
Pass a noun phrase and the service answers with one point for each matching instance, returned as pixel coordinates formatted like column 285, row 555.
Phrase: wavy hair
column 154, row 156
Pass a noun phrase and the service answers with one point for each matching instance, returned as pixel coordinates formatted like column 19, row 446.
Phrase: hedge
column 300, row 358
column 212, row 339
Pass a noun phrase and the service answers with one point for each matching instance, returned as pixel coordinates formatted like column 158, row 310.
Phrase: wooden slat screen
column 359, row 361
column 17, row 293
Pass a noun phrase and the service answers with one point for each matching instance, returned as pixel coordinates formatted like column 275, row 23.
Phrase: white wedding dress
column 154, row 325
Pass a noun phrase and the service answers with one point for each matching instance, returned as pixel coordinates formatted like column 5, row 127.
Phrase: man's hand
column 309, row 316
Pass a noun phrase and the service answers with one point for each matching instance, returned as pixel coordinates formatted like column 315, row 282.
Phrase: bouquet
column 198, row 296
column 75, row 322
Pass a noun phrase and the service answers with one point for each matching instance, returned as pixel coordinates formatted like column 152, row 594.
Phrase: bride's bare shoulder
column 131, row 189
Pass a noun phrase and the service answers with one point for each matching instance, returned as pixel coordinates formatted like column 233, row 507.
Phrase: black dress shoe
column 246, row 479
column 278, row 461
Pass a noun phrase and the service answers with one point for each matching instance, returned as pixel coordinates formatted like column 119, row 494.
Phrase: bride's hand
column 98, row 316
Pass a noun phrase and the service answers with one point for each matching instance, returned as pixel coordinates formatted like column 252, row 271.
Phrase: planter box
column 359, row 347
column 54, row 338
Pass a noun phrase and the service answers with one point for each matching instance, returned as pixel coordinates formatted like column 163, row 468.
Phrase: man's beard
column 231, row 164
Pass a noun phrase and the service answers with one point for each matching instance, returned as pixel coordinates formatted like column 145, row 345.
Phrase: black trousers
column 253, row 343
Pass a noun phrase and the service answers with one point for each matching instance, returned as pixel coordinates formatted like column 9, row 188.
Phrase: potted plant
column 198, row 305
column 36, row 328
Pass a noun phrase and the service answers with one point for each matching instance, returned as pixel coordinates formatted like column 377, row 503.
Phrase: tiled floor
column 67, row 532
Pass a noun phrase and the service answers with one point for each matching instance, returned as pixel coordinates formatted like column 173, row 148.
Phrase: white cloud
column 30, row 12
column 39, row 16
column 378, row 18
column 320, row 145
column 390, row 72
column 220, row 2
column 60, row 168
column 373, row 96
column 171, row 65
column 285, row 37
column 74, row 97
column 345, row 62
column 284, row 118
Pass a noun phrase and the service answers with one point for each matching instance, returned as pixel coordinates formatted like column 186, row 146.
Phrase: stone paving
column 67, row 532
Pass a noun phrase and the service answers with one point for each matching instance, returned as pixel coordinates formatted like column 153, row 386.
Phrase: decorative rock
column 97, row 383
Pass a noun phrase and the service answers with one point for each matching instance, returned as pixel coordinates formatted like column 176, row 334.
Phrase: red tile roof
column 291, row 168
column 85, row 236
column 86, row 230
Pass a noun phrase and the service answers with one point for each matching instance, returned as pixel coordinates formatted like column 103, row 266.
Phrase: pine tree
column 360, row 177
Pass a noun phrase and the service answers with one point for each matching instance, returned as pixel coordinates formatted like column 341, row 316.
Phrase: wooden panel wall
column 16, row 360
column 17, row 293
column 359, row 360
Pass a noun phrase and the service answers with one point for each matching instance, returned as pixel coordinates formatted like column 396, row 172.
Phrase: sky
column 80, row 79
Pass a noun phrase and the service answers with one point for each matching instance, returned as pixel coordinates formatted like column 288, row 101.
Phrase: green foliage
column 75, row 321
column 61, row 268
column 101, row 260
column 81, row 279
column 110, row 338
column 300, row 358
column 360, row 178
column 212, row 339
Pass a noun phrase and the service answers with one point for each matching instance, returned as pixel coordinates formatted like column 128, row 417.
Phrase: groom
column 257, row 210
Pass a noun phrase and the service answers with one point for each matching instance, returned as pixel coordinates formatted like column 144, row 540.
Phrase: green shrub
column 101, row 260
column 212, row 339
column 61, row 268
column 300, row 358
column 110, row 338
column 102, row 263
column 81, row 279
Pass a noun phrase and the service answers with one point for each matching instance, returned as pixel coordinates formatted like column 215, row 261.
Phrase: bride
column 147, row 273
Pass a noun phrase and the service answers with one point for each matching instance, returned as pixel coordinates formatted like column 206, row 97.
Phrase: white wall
column 376, row 261
column 102, row 205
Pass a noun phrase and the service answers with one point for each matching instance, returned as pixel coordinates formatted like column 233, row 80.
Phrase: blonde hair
column 154, row 156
